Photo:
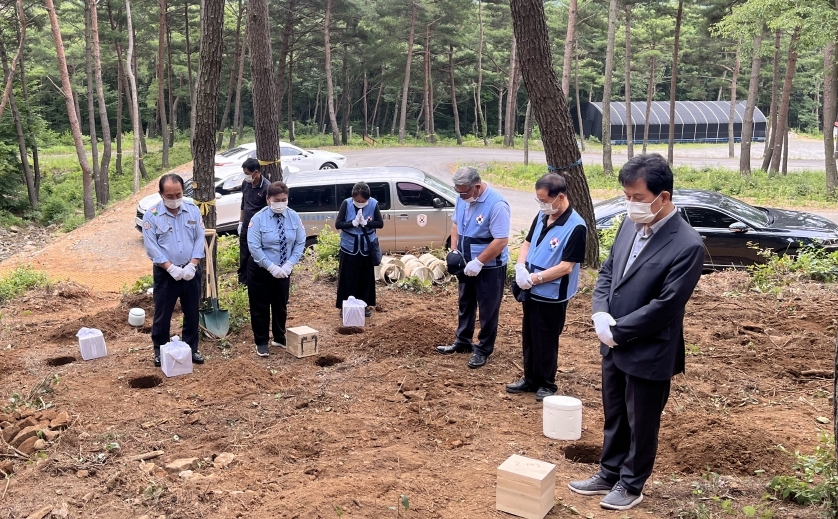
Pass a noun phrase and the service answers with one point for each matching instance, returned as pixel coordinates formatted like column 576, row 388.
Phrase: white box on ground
column 353, row 312
column 176, row 358
column 562, row 417
column 526, row 487
column 91, row 343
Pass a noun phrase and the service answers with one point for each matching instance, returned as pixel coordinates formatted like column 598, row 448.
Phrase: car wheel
column 329, row 165
column 311, row 242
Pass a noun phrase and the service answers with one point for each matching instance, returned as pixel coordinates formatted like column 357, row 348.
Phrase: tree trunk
column 266, row 118
column 500, row 111
column 578, row 99
column 431, row 107
column 781, row 132
column 120, row 82
column 237, row 117
column 91, row 108
column 569, row 41
column 730, row 121
column 291, row 133
column 346, row 97
column 550, row 107
column 105, row 125
column 189, row 75
column 172, row 115
column 284, row 49
column 784, row 167
column 454, row 108
column 670, row 150
column 479, row 95
column 426, row 89
column 75, row 126
column 775, row 95
column 395, row 113
column 830, row 112
column 133, row 105
column 225, row 115
column 403, row 114
column 750, row 105
column 509, row 133
column 316, row 107
column 365, row 107
column 650, row 94
column 330, row 89
column 607, row 165
column 28, row 177
column 629, row 122
column 29, row 123
column 7, row 90
column 206, row 107
column 374, row 120
column 527, row 132
column 161, row 83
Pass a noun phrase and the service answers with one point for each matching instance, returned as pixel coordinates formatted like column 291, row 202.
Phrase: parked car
column 733, row 231
column 230, row 161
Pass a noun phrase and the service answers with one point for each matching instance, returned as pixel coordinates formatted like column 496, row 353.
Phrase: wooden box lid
column 525, row 473
column 302, row 330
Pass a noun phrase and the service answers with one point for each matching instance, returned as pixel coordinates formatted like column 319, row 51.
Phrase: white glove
column 286, row 269
column 473, row 267
column 175, row 271
column 522, row 277
column 189, row 271
column 362, row 220
column 603, row 323
column 239, row 228
column 276, row 271
column 355, row 221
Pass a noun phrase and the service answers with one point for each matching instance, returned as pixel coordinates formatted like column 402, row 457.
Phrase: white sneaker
column 277, row 344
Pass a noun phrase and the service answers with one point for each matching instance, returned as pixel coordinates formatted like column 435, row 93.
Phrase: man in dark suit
column 638, row 311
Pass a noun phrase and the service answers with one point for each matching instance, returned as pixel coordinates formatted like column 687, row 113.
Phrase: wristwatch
column 540, row 278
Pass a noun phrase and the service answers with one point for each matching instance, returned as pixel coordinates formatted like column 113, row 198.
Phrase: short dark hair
column 652, row 168
column 251, row 164
column 361, row 188
column 554, row 183
column 277, row 188
column 169, row 177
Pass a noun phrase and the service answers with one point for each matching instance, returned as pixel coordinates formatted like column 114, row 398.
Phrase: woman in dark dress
column 358, row 216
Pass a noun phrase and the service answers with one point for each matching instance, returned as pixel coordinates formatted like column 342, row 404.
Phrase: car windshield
column 232, row 152
column 745, row 211
column 439, row 186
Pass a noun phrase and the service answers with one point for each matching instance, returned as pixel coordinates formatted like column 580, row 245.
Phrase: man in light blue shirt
column 173, row 235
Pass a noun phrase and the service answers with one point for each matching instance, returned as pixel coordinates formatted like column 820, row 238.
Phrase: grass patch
column 20, row 280
column 796, row 189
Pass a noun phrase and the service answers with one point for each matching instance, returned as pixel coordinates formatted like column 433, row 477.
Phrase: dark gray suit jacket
column 648, row 301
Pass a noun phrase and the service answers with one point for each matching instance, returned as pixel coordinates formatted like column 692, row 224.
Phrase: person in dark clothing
column 254, row 193
column 548, row 270
column 358, row 218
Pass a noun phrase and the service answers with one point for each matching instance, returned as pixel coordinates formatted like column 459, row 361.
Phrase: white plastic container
column 562, row 417
column 136, row 317
column 91, row 343
column 176, row 358
column 353, row 312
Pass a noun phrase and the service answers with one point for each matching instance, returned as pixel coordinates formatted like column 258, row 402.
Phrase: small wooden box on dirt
column 526, row 487
column 302, row 341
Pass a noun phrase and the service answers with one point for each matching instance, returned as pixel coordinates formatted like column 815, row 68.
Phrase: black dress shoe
column 197, row 358
column 522, row 386
column 157, row 360
column 543, row 393
column 477, row 361
column 454, row 348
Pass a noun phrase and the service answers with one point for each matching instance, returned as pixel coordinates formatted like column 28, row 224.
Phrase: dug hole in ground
column 379, row 414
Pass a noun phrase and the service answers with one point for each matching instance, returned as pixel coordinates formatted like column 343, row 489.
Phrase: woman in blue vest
column 357, row 220
column 547, row 272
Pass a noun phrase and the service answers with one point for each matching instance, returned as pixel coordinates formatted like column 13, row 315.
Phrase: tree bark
column 364, row 98
column 650, row 94
column 104, row 123
column 330, row 89
column 830, row 112
column 33, row 143
column 91, row 108
column 161, row 83
column 266, row 122
column 284, row 49
column 316, row 107
column 120, row 82
column 172, row 115
column 607, row 165
column 225, row 115
column 189, row 76
column 133, row 105
column 629, row 122
column 237, row 117
column 454, row 109
column 7, row 90
column 28, row 177
column 500, row 111
column 569, row 41
column 775, row 95
column 346, row 97
column 427, row 83
column 291, row 133
column 527, row 119
column 479, row 95
column 509, row 133
column 75, row 126
column 783, row 113
column 403, row 114
column 734, row 79
column 374, row 119
column 750, row 105
column 670, row 151
column 206, row 106
column 578, row 99
column 550, row 108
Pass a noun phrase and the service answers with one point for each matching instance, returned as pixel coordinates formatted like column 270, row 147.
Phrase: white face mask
column 248, row 178
column 546, row 208
column 278, row 207
column 361, row 205
column 641, row 212
column 469, row 200
column 173, row 204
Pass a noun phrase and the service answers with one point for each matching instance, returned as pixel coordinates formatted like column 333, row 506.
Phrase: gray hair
column 466, row 176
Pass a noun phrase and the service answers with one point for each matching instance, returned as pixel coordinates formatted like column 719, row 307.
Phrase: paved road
column 441, row 162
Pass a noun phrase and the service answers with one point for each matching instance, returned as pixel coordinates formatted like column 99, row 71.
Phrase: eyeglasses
column 464, row 194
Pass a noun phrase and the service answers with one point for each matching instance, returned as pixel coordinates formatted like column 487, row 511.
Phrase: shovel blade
column 216, row 321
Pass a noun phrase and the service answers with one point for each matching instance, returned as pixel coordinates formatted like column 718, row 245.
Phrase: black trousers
column 482, row 292
column 244, row 255
column 542, row 324
column 167, row 291
column 268, row 298
column 633, row 408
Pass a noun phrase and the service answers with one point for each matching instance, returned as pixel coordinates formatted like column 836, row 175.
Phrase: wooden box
column 302, row 341
column 526, row 487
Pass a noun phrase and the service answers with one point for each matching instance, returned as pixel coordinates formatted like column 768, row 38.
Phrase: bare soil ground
column 379, row 414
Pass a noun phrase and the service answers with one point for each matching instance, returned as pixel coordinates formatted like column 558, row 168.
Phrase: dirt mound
column 723, row 446
column 112, row 322
column 417, row 334
column 250, row 376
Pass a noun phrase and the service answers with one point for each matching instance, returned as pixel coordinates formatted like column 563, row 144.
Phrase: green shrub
column 228, row 254
column 233, row 298
column 607, row 237
column 810, row 263
column 327, row 254
column 23, row 278
column 72, row 222
column 54, row 209
column 816, row 482
column 140, row 286
column 415, row 284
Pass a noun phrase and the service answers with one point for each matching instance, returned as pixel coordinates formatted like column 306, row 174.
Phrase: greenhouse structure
column 695, row 121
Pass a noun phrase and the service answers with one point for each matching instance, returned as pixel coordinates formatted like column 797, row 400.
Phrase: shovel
column 215, row 321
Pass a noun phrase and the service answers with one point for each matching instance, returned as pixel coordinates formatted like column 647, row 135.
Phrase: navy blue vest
column 352, row 240
column 548, row 254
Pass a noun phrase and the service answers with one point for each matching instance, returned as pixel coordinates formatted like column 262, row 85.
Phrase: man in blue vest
column 547, row 272
column 480, row 233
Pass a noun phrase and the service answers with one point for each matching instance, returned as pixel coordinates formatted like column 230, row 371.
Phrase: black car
column 732, row 230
